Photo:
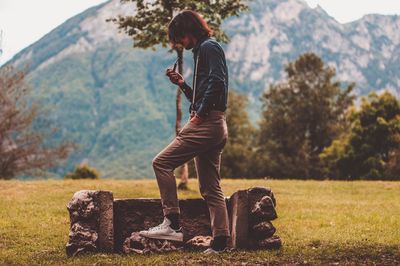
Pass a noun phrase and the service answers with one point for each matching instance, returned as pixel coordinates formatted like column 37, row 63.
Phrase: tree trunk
column 183, row 170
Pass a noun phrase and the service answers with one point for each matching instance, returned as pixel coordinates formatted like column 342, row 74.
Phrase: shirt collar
column 197, row 46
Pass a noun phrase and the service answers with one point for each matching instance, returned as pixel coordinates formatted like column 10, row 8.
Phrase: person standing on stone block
column 203, row 137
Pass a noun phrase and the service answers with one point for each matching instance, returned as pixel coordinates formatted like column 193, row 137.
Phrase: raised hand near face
column 174, row 77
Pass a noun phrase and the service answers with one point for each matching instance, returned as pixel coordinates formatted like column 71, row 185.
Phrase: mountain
column 274, row 32
column 116, row 104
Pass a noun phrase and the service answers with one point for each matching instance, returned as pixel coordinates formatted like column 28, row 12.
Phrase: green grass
column 320, row 222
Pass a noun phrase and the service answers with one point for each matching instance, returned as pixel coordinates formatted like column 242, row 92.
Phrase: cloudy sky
column 24, row 22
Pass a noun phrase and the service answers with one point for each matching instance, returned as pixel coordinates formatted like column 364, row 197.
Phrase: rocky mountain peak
column 98, row 30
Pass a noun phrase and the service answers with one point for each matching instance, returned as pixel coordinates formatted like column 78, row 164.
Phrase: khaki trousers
column 204, row 143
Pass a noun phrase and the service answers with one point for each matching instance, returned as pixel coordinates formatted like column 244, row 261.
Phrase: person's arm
column 215, row 60
column 187, row 90
column 177, row 79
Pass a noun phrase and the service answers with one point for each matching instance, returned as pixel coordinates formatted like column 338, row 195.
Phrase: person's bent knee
column 160, row 164
column 157, row 163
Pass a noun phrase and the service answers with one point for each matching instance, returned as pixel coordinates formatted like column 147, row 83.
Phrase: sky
column 24, row 22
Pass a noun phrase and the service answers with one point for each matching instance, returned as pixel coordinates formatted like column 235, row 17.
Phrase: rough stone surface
column 91, row 229
column 142, row 245
column 83, row 206
column 81, row 238
column 238, row 214
column 273, row 242
column 263, row 230
column 199, row 242
column 256, row 193
column 134, row 215
column 264, row 210
column 106, row 221
column 261, row 212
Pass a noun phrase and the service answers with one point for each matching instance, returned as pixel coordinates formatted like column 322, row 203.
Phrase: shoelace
column 160, row 226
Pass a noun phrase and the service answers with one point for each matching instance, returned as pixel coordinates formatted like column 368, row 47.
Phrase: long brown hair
column 188, row 22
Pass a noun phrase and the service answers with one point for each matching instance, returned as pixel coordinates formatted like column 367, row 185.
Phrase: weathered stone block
column 99, row 223
column 199, row 243
column 250, row 213
column 106, row 221
column 91, row 215
column 239, row 225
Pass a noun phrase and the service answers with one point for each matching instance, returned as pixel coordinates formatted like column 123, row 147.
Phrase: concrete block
column 239, row 224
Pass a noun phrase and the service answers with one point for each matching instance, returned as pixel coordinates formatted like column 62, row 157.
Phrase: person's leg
column 208, row 172
column 184, row 147
column 191, row 141
column 164, row 164
column 175, row 154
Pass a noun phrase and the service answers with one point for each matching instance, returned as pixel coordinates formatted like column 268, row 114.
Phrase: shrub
column 83, row 172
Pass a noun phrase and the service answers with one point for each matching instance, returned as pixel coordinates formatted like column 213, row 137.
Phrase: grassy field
column 320, row 222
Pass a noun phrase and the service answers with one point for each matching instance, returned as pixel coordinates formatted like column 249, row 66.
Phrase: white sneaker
column 213, row 251
column 163, row 231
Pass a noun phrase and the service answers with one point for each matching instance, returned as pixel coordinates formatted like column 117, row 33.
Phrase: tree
column 148, row 28
column 301, row 117
column 238, row 156
column 392, row 167
column 371, row 149
column 22, row 150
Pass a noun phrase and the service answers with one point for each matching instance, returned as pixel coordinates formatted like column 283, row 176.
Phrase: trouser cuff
column 167, row 211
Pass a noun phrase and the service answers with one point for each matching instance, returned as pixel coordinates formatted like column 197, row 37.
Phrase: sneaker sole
column 213, row 251
column 164, row 237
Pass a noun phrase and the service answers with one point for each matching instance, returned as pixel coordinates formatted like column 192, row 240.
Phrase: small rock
column 199, row 242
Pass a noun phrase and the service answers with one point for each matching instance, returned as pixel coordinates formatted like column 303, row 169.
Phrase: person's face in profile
column 187, row 42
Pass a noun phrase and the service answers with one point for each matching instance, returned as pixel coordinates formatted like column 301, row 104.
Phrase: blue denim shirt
column 212, row 78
